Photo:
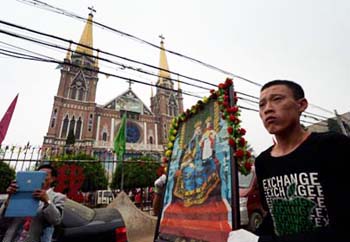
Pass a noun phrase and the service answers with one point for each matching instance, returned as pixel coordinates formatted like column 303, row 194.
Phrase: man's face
column 279, row 110
column 48, row 180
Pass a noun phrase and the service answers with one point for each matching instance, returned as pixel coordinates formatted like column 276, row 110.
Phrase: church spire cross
column 161, row 38
column 92, row 10
column 130, row 82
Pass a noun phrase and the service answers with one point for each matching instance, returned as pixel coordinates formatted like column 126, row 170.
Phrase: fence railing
column 28, row 157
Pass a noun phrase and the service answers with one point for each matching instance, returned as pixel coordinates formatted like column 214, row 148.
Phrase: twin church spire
column 163, row 63
column 86, row 47
column 86, row 40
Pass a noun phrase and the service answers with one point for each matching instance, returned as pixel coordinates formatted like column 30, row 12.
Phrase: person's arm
column 12, row 188
column 53, row 208
column 160, row 181
column 266, row 227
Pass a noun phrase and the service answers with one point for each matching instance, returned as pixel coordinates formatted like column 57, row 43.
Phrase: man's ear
column 303, row 104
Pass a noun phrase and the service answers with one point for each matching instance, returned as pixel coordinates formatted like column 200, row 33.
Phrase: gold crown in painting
column 208, row 119
column 198, row 124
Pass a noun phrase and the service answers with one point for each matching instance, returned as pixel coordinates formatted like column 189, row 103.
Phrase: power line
column 100, row 51
column 302, row 120
column 34, row 58
column 113, row 62
column 100, row 58
column 247, row 95
column 318, row 124
column 307, row 115
column 29, row 57
column 54, row 9
column 17, row 47
column 321, row 108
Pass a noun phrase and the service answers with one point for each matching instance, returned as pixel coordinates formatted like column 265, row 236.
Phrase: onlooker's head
column 296, row 89
column 280, row 106
column 51, row 174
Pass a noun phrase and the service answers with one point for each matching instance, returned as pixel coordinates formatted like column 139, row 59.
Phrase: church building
column 95, row 126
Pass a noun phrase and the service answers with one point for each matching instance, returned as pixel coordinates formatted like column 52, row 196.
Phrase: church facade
column 94, row 126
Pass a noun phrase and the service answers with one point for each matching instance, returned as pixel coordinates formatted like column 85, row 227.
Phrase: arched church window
column 165, row 132
column 104, row 136
column 90, row 123
column 72, row 124
column 172, row 106
column 53, row 119
column 65, row 127
column 80, row 94
column 73, row 94
column 78, row 129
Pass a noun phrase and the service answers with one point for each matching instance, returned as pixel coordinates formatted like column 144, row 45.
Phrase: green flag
column 120, row 139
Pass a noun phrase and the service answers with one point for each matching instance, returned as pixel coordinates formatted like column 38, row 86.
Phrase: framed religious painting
column 205, row 151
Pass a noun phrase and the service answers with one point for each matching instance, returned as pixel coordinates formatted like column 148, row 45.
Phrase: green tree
column 7, row 174
column 140, row 173
column 95, row 178
column 94, row 172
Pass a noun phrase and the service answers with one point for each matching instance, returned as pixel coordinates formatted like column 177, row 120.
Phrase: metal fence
column 30, row 157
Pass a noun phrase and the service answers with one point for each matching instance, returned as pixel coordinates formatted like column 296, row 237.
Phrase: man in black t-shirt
column 302, row 178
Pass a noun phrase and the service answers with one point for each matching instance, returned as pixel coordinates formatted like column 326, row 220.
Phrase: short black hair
column 48, row 166
column 297, row 90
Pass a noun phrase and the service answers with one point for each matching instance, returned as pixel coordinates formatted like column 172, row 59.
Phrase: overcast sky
column 302, row 40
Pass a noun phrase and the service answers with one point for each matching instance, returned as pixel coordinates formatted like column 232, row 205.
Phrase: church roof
column 86, row 38
column 128, row 101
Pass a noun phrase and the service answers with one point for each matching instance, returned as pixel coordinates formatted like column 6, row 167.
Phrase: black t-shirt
column 305, row 191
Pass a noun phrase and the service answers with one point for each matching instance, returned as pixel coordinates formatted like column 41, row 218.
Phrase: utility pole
column 340, row 123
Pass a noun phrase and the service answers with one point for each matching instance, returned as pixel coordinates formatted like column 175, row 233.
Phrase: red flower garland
column 236, row 140
column 230, row 114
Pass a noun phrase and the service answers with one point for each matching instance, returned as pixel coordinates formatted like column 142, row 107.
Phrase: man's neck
column 286, row 143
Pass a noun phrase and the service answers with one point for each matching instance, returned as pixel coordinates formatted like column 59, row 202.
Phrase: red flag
column 6, row 119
